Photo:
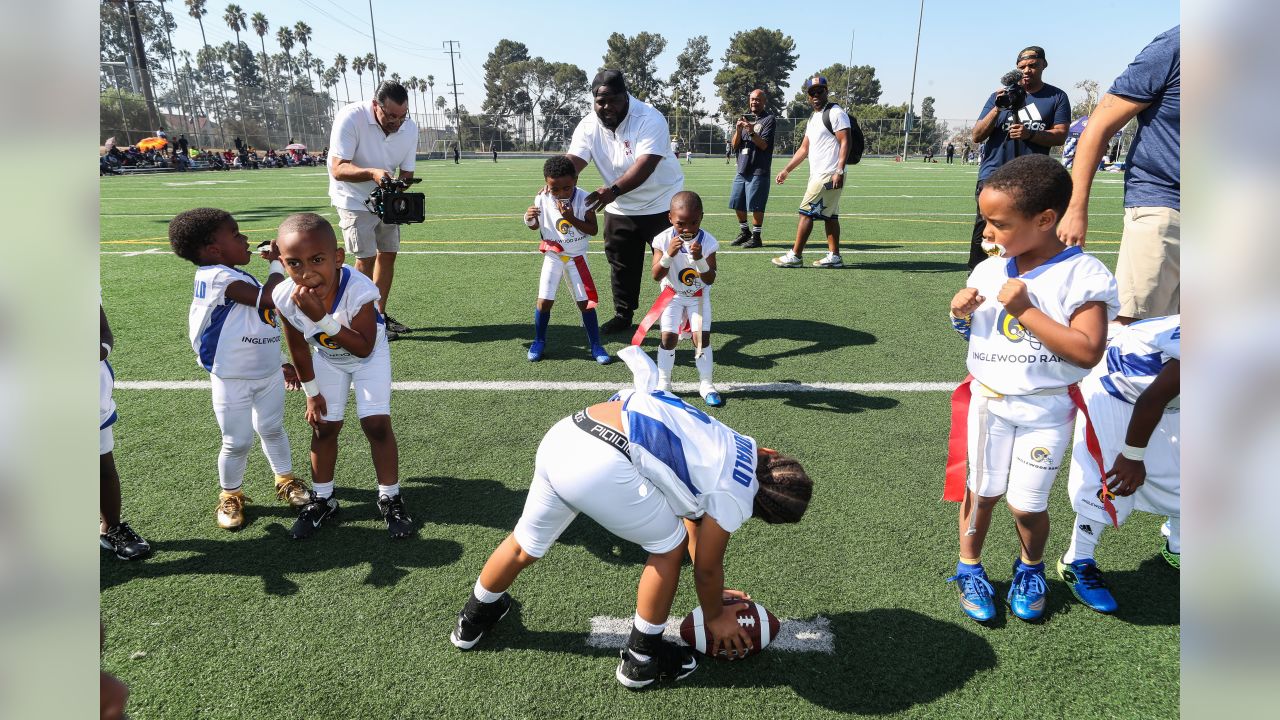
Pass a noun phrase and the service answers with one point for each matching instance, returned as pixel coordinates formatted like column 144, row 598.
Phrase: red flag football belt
column 664, row 299
column 958, row 446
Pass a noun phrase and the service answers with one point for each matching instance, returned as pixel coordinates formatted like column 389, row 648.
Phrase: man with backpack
column 831, row 141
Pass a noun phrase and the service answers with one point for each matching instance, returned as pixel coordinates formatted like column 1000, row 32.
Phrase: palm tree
column 330, row 79
column 261, row 26
column 382, row 71
column 284, row 37
column 431, row 87
column 413, row 88
column 235, row 19
column 358, row 66
column 195, row 8
column 302, row 33
column 371, row 65
column 340, row 64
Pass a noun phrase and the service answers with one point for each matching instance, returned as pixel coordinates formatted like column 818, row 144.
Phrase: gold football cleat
column 230, row 512
column 291, row 490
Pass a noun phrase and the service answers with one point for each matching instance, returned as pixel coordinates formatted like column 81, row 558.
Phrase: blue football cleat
column 535, row 350
column 977, row 597
column 601, row 355
column 1027, row 592
column 710, row 395
column 1086, row 583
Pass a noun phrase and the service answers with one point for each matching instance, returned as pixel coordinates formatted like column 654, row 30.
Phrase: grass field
column 351, row 625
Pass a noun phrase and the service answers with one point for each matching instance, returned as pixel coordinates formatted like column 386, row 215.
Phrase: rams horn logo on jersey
column 1013, row 331
column 268, row 316
column 324, row 339
column 563, row 226
column 688, row 275
column 1041, row 455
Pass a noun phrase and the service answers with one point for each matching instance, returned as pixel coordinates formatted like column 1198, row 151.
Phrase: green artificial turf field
column 350, row 624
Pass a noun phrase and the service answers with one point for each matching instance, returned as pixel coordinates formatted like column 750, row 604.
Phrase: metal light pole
column 374, row 32
column 906, row 121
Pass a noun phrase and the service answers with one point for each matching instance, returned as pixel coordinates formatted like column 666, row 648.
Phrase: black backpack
column 857, row 141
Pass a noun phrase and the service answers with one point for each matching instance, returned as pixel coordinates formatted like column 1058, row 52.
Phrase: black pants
column 626, row 245
column 976, row 253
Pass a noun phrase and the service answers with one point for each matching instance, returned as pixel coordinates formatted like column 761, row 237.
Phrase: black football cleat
column 743, row 237
column 312, row 514
column 616, row 324
column 399, row 524
column 396, row 327
column 476, row 619
column 125, row 543
column 668, row 662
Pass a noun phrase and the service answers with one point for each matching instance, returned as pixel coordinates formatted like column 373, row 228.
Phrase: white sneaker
column 789, row 260
column 832, row 260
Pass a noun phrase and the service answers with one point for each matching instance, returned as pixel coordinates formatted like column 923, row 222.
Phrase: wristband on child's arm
column 702, row 266
column 1134, row 453
column 962, row 325
column 665, row 260
column 276, row 268
column 329, row 326
column 311, row 388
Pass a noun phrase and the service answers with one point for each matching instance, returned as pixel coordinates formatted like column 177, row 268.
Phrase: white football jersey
column 354, row 292
column 688, row 282
column 1005, row 356
column 698, row 463
column 556, row 229
column 106, row 403
column 1137, row 353
column 231, row 340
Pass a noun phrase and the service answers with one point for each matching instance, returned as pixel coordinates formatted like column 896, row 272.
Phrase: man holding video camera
column 1026, row 115
column 753, row 141
column 369, row 141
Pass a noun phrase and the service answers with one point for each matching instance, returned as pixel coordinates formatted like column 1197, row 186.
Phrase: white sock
column 1172, row 529
column 484, row 595
column 323, row 490
column 1083, row 541
column 666, row 362
column 389, row 490
column 703, row 363
column 647, row 627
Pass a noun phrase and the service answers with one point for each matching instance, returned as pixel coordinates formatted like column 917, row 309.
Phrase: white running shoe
column 832, row 260
column 790, row 259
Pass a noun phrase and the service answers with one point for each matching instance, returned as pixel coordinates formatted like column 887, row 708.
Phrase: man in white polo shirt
column 629, row 141
column 370, row 140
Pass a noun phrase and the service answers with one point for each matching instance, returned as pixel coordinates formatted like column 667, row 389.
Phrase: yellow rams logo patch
column 324, row 339
column 268, row 316
column 563, row 226
column 1041, row 455
column 688, row 275
column 1012, row 330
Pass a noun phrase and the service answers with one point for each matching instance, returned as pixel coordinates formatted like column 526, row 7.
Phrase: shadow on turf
column 275, row 555
column 489, row 503
column 912, row 266
column 269, row 213
column 568, row 341
column 842, row 403
column 885, row 661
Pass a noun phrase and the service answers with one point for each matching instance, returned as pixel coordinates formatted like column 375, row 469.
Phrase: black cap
column 611, row 79
column 1031, row 52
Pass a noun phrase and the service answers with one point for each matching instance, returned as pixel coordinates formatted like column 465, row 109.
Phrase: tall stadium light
column 906, row 125
column 374, row 32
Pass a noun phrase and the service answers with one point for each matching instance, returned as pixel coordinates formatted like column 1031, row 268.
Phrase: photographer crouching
column 1026, row 115
column 369, row 141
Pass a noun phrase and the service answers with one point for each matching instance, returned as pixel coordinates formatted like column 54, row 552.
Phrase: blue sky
column 964, row 46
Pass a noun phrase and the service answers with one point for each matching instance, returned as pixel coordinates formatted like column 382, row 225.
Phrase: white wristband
column 311, row 388
column 1134, row 453
column 665, row 260
column 702, row 266
column 277, row 268
column 329, row 326
column 107, row 347
column 531, row 222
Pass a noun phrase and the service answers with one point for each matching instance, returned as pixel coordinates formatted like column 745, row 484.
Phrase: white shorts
column 1012, row 457
column 372, row 381
column 576, row 472
column 696, row 311
column 1160, row 494
column 365, row 235
column 106, row 408
column 555, row 266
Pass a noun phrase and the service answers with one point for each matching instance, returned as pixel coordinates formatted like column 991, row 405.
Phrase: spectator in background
column 1040, row 124
column 370, row 141
column 951, row 152
column 183, row 146
column 753, row 141
column 628, row 141
column 1147, row 269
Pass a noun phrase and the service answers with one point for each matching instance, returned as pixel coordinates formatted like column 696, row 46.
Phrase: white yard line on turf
column 549, row 385
column 793, row 635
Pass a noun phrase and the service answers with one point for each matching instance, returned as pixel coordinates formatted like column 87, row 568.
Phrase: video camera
column 1015, row 96
column 390, row 202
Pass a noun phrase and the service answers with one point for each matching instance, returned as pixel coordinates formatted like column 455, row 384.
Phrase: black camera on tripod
column 390, row 202
column 1015, row 96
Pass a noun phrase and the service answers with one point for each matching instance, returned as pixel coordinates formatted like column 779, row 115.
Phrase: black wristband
column 616, row 192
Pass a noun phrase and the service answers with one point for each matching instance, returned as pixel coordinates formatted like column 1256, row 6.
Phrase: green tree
column 123, row 115
column 302, row 33
column 235, row 18
column 759, row 58
column 260, row 28
column 499, row 99
column 1085, row 107
column 284, row 37
column 634, row 57
column 685, row 98
column 849, row 86
column 340, row 65
column 358, row 65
